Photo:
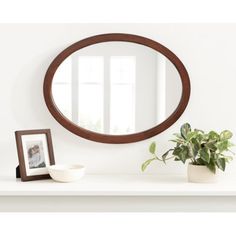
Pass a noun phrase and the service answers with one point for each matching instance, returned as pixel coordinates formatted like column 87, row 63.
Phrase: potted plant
column 205, row 153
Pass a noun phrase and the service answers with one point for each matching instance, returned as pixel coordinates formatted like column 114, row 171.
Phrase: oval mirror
column 116, row 88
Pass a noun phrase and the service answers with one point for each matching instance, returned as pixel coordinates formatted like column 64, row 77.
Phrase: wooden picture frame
column 35, row 153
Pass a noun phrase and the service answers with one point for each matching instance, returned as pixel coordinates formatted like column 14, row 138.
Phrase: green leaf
column 146, row 163
column 225, row 135
column 200, row 137
column 165, row 155
column 180, row 141
column 196, row 146
column 184, row 154
column 191, row 135
column 215, row 156
column 223, row 145
column 205, row 154
column 212, row 135
column 228, row 158
column 177, row 151
column 200, row 161
column 212, row 167
column 221, row 163
column 185, row 129
column 190, row 150
column 181, row 153
column 199, row 131
column 211, row 145
column 152, row 148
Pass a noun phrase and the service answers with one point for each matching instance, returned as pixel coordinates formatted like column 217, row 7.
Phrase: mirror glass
column 116, row 88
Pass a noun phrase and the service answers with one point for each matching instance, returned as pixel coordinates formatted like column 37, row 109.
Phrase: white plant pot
column 201, row 174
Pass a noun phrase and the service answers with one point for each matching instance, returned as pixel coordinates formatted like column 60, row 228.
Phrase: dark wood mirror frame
column 104, row 138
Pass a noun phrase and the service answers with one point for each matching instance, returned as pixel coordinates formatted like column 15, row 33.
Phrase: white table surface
column 117, row 185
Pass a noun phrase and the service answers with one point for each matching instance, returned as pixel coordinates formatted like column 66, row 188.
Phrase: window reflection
column 90, row 92
column 122, row 106
column 116, row 88
column 61, row 88
column 95, row 113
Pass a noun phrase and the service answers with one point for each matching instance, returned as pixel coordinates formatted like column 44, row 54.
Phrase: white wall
column 207, row 50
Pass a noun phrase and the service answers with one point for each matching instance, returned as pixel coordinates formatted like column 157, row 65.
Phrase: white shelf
column 117, row 185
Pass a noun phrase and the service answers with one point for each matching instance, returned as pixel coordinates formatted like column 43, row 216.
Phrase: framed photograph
column 35, row 153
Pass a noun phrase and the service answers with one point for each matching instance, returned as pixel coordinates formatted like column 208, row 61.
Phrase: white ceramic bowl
column 66, row 173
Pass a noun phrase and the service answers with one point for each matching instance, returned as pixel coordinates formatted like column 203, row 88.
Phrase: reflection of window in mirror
column 103, row 97
column 62, row 88
column 106, row 93
column 88, row 112
column 116, row 94
column 122, row 74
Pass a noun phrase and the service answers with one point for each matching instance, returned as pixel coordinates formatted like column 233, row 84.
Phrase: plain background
column 118, row 11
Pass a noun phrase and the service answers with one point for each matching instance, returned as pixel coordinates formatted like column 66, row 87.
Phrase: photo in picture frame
column 35, row 153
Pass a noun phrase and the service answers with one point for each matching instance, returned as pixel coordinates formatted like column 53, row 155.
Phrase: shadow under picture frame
column 35, row 153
